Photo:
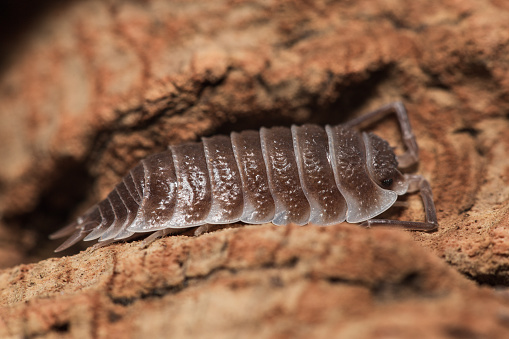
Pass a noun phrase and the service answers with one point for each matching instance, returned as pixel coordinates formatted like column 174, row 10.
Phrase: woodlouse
column 303, row 174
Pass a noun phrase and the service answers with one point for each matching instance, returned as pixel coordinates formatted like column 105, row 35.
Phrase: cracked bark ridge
column 263, row 282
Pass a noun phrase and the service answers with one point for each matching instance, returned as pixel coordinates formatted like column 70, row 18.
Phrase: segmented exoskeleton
column 303, row 174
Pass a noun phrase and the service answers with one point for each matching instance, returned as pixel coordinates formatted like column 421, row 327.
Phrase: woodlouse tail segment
column 73, row 239
column 78, row 229
column 108, row 219
column 87, row 218
column 107, row 216
column 66, row 231
column 120, row 212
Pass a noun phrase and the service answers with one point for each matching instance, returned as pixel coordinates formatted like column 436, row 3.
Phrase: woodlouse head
column 383, row 165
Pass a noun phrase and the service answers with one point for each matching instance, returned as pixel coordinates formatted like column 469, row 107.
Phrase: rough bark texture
column 257, row 282
column 91, row 87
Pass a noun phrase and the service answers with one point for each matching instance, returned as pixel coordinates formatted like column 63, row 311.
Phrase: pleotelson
column 281, row 175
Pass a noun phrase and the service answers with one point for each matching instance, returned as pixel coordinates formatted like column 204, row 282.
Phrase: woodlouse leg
column 103, row 243
column 112, row 241
column 202, row 229
column 411, row 156
column 161, row 233
column 416, row 183
column 154, row 236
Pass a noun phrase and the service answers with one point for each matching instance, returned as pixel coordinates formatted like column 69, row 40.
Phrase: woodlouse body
column 303, row 174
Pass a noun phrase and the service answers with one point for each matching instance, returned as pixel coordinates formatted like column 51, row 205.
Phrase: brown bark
column 95, row 86
column 256, row 282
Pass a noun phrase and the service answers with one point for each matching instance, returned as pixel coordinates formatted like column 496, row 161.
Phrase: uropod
column 302, row 174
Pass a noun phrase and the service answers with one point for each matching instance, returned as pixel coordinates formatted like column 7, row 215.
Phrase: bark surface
column 91, row 87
